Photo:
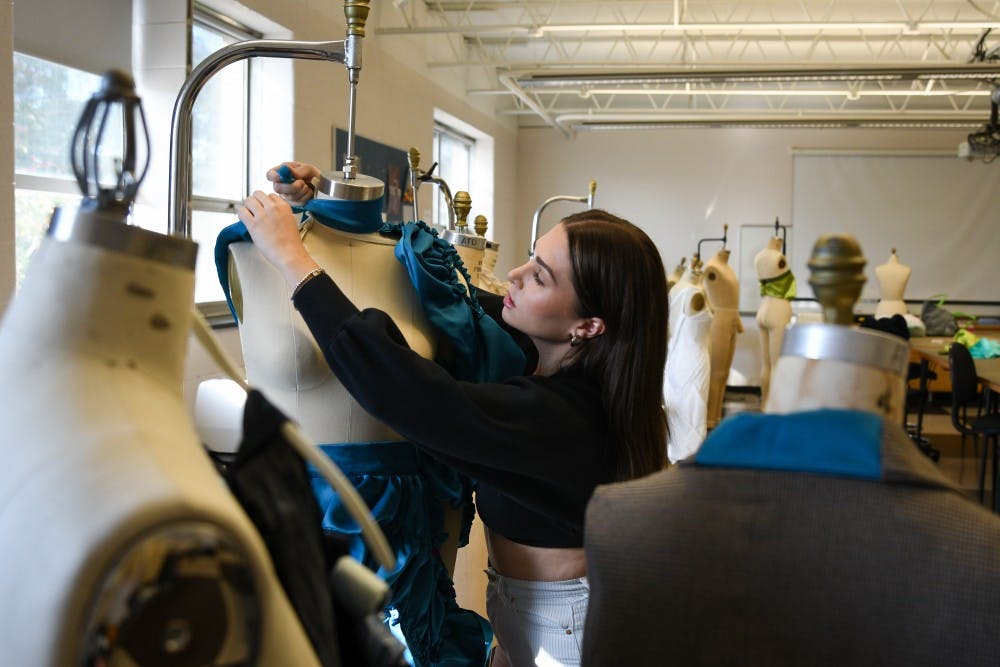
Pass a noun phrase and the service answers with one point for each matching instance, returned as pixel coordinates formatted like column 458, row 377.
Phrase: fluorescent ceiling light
column 706, row 92
column 972, row 72
column 777, row 124
column 912, row 27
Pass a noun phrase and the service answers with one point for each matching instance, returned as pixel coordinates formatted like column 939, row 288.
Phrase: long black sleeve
column 540, row 441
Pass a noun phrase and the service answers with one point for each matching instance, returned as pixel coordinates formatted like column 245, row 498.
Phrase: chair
column 916, row 399
column 965, row 392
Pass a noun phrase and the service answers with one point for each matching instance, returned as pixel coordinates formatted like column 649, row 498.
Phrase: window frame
column 438, row 215
column 217, row 312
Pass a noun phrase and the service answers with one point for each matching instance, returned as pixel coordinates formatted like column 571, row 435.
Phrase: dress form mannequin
column 279, row 352
column 104, row 477
column 834, row 365
column 775, row 311
column 487, row 277
column 676, row 274
column 722, row 288
column 282, row 359
column 688, row 274
column 685, row 384
column 471, row 247
column 892, row 278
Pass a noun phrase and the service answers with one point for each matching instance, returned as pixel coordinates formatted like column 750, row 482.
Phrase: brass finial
column 480, row 224
column 837, row 275
column 356, row 12
column 593, row 187
column 463, row 204
column 413, row 157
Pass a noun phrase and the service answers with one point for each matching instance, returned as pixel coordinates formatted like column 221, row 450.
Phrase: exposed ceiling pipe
column 510, row 82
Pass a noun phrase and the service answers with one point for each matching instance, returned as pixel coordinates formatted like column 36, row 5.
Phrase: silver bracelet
column 306, row 278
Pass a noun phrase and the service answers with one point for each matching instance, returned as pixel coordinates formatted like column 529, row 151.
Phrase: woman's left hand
column 275, row 233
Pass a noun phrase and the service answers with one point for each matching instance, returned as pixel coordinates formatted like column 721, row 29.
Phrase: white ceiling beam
column 697, row 29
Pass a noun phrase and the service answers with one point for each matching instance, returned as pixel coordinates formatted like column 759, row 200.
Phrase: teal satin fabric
column 407, row 492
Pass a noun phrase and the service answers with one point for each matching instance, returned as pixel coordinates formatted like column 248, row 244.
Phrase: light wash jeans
column 538, row 622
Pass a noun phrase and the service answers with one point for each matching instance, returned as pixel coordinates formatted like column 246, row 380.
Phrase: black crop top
column 537, row 446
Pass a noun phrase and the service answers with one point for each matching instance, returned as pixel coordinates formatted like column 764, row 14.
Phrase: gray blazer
column 701, row 565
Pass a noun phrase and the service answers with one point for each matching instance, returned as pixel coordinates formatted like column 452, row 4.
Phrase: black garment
column 537, row 446
column 895, row 325
column 271, row 483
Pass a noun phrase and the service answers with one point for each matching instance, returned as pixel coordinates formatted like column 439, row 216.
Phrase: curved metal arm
column 588, row 198
column 445, row 190
column 783, row 232
column 342, row 51
column 725, row 234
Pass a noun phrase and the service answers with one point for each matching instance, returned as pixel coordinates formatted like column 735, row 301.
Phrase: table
column 934, row 351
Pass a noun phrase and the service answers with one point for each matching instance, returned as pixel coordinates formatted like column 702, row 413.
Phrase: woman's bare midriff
column 520, row 561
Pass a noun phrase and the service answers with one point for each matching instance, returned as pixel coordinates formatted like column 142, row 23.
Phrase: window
column 453, row 151
column 220, row 143
column 48, row 101
column 239, row 128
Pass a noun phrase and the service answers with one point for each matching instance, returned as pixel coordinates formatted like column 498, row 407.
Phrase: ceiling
column 582, row 65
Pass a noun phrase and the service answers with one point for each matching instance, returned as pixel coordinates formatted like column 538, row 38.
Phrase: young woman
column 593, row 301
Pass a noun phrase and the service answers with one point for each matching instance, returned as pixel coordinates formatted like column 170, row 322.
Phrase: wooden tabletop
column 935, row 351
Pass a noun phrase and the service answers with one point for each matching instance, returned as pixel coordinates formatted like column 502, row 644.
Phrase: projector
column 983, row 145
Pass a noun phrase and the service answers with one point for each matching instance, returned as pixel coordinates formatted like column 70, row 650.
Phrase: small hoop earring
column 574, row 340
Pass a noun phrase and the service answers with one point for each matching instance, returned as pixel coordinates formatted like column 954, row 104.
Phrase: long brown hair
column 619, row 276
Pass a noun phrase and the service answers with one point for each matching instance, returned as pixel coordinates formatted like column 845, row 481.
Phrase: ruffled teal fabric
column 407, row 491
column 480, row 350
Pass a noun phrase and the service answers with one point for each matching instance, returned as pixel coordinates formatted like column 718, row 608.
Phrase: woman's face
column 541, row 301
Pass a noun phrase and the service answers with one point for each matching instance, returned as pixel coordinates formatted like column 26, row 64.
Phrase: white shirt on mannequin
column 685, row 386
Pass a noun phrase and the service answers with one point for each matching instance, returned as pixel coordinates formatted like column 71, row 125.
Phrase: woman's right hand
column 275, row 233
column 299, row 191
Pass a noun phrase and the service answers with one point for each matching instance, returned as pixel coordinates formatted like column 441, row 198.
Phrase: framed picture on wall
column 388, row 164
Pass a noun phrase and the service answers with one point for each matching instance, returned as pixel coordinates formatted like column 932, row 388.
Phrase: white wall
column 94, row 35
column 683, row 185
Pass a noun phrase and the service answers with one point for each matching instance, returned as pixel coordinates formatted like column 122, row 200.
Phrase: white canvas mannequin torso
column 892, row 278
column 282, row 358
column 99, row 449
column 774, row 313
column 723, row 291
